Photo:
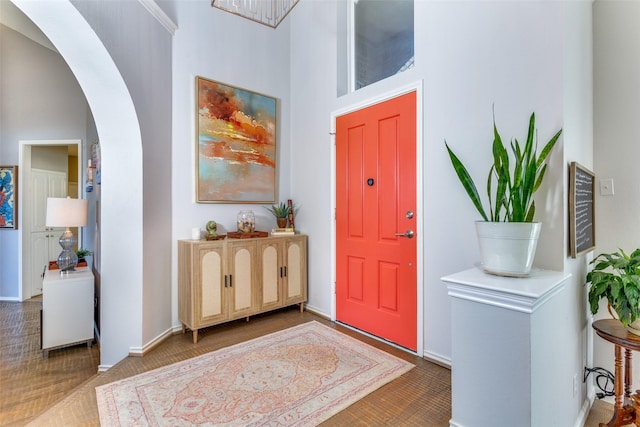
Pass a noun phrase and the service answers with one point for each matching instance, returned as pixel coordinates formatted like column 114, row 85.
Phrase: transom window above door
column 381, row 40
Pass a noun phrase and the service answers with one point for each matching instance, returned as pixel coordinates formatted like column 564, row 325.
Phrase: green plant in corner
column 279, row 211
column 82, row 253
column 616, row 277
column 514, row 194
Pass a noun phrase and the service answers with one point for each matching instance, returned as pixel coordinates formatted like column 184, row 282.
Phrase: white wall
column 470, row 56
column 616, row 137
column 40, row 99
column 51, row 158
column 119, row 129
column 220, row 46
column 578, row 146
column 141, row 48
column 494, row 61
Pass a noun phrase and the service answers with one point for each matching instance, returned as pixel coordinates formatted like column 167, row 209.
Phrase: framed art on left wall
column 9, row 197
column 236, row 144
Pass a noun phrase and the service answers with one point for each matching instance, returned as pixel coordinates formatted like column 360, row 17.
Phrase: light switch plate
column 606, row 187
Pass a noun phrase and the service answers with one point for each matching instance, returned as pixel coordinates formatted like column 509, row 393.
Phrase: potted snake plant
column 616, row 277
column 508, row 234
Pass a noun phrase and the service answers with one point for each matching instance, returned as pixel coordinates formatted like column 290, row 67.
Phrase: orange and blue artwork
column 236, row 151
column 8, row 197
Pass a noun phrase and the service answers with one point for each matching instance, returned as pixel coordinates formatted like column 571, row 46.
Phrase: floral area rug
column 300, row 376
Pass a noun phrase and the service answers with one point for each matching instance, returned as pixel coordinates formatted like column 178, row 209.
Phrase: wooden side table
column 626, row 407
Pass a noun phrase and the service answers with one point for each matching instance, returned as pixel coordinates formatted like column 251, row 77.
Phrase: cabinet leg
column 301, row 307
column 184, row 328
column 247, row 319
column 195, row 336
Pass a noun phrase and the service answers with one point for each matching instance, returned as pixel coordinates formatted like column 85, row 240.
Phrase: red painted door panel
column 376, row 277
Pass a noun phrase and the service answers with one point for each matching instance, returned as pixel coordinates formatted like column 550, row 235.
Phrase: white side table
column 67, row 309
column 506, row 335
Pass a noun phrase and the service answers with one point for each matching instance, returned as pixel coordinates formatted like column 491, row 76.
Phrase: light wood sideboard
column 223, row 280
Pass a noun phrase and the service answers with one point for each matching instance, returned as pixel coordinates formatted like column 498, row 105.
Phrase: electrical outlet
column 575, row 385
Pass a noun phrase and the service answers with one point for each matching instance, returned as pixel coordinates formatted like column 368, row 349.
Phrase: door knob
column 408, row 234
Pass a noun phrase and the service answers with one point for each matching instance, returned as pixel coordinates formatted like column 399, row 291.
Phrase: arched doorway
column 121, row 202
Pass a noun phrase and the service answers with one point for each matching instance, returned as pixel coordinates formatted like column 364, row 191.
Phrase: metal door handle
column 408, row 234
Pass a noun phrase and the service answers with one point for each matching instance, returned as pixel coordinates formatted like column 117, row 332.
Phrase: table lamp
column 66, row 213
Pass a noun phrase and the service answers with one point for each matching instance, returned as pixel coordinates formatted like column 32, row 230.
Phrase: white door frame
column 24, row 177
column 412, row 87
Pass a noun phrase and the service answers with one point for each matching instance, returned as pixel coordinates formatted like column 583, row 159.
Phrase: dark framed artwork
column 582, row 224
column 9, row 197
column 236, row 144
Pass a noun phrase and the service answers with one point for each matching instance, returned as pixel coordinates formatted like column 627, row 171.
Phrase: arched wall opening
column 121, row 189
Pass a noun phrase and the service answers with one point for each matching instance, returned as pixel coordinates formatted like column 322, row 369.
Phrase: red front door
column 376, row 276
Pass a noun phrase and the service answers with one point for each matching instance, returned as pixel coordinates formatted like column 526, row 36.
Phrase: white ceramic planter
column 508, row 248
column 634, row 327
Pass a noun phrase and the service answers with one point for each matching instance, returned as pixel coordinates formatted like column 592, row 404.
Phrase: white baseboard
column 317, row 312
column 140, row 351
column 584, row 410
column 436, row 358
column 580, row 421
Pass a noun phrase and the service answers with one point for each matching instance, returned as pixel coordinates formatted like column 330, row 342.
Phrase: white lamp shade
column 66, row 212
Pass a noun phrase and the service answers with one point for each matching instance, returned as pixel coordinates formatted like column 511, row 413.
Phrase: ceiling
column 379, row 23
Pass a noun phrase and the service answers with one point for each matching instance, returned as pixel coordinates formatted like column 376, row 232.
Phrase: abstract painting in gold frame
column 236, row 144
column 8, row 197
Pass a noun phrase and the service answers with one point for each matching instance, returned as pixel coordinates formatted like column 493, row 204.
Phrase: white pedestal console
column 503, row 346
column 67, row 309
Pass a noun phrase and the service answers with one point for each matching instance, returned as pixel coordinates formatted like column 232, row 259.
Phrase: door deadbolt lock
column 409, row 214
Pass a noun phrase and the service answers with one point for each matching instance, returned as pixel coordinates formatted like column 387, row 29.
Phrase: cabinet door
column 39, row 194
column 210, row 299
column 58, row 184
column 295, row 270
column 45, row 184
column 241, row 278
column 67, row 308
column 43, row 241
column 54, row 245
column 271, row 271
column 39, row 258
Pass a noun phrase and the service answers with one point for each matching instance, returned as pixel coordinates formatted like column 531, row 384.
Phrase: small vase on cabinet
column 246, row 222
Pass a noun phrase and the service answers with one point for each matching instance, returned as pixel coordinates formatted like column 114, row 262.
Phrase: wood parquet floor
column 29, row 383
column 60, row 390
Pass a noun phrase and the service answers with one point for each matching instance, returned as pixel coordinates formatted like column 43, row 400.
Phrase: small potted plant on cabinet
column 281, row 212
column 616, row 277
column 508, row 235
column 82, row 254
